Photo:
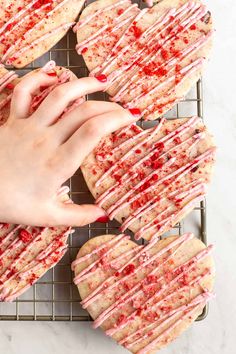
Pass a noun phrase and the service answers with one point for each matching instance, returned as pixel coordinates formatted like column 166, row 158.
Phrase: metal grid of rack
column 54, row 297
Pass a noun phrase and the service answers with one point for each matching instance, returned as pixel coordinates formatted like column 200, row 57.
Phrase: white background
column 217, row 333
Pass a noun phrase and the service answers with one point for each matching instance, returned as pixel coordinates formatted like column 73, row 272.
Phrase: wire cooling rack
column 54, row 297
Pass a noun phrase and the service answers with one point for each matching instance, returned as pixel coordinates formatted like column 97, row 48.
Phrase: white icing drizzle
column 179, row 172
column 132, row 316
column 124, row 64
column 18, row 250
column 205, row 297
column 154, row 301
column 87, row 301
column 128, row 186
column 192, row 305
column 166, row 139
column 96, row 251
column 187, row 71
column 36, row 26
column 93, row 266
column 18, row 15
column 130, row 295
column 151, row 134
column 17, row 54
column 83, row 22
column 17, row 25
column 93, row 38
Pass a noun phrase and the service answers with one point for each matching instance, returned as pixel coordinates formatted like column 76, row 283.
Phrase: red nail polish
column 135, row 112
column 84, row 50
column 52, row 74
column 10, row 86
column 103, row 219
column 101, row 78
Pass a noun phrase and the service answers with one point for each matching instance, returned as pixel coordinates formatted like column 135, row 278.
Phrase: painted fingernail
column 101, row 78
column 103, row 219
column 10, row 86
column 135, row 112
column 52, row 74
column 84, row 50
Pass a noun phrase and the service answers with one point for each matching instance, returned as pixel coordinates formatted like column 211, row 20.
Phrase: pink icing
column 83, row 22
column 142, row 251
column 162, row 294
column 17, row 54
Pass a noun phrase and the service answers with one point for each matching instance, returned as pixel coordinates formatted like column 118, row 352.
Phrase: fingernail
column 10, row 86
column 135, row 112
column 84, row 50
column 52, row 74
column 103, row 219
column 101, row 78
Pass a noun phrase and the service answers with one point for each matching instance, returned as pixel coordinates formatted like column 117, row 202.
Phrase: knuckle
column 123, row 114
column 53, row 163
column 115, row 106
column 92, row 129
column 88, row 105
column 58, row 93
column 19, row 89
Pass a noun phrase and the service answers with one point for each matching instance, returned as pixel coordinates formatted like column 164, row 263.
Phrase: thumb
column 80, row 215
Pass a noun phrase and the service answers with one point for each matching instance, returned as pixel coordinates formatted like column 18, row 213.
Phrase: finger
column 67, row 126
column 79, row 215
column 87, row 137
column 22, row 94
column 59, row 99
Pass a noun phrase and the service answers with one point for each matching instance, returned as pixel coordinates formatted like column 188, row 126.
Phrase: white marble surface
column 216, row 334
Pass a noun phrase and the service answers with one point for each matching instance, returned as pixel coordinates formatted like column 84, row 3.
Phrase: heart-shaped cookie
column 150, row 179
column 152, row 57
column 26, row 253
column 30, row 28
column 144, row 296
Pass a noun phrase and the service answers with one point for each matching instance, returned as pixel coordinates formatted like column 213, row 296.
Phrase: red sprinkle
column 129, row 269
column 159, row 146
column 121, row 319
column 136, row 30
column 193, row 27
column 177, row 140
column 25, row 236
column 156, row 164
column 164, row 54
column 120, row 12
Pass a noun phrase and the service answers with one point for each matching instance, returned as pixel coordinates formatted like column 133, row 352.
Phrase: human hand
column 38, row 153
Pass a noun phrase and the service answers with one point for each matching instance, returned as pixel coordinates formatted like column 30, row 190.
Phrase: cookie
column 152, row 57
column 28, row 29
column 144, row 297
column 148, row 180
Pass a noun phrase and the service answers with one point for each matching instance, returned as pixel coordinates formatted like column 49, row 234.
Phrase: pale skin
column 38, row 153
